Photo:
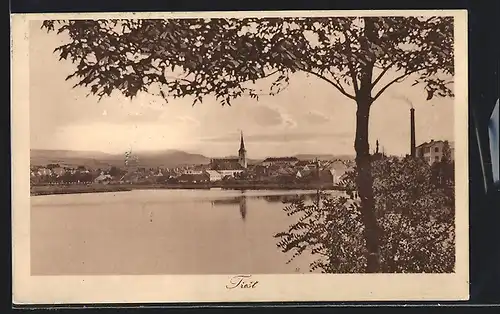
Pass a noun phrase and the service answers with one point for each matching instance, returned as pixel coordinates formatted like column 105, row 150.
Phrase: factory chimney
column 412, row 132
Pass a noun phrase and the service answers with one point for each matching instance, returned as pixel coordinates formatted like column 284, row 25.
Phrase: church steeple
column 242, row 153
column 242, row 143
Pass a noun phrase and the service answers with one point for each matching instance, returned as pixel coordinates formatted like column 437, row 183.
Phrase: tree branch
column 178, row 79
column 191, row 82
column 336, row 85
column 396, row 80
column 267, row 75
column 382, row 74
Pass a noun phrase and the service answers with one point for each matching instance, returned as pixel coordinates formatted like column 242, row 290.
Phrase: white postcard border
column 29, row 289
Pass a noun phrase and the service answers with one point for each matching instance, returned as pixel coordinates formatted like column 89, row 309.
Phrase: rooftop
column 433, row 142
column 225, row 164
column 281, row 159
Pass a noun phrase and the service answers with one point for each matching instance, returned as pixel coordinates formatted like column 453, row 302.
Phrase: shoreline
column 39, row 190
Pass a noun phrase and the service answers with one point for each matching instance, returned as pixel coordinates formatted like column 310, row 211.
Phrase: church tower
column 242, row 153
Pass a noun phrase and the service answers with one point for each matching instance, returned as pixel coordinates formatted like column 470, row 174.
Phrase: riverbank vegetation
column 415, row 212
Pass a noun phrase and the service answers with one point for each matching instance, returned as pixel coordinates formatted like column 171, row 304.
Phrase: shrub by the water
column 415, row 209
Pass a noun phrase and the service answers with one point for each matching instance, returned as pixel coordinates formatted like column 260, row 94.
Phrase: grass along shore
column 102, row 188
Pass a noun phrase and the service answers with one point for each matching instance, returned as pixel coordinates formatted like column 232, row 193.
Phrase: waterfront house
column 103, row 179
column 230, row 173
column 214, row 175
column 193, row 178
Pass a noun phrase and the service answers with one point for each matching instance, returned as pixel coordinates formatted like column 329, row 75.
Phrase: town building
column 103, row 178
column 193, row 178
column 230, row 166
column 214, row 175
column 230, row 172
column 193, row 171
column 338, row 170
column 58, row 171
column 225, row 164
column 44, row 171
column 284, row 161
column 433, row 151
column 302, row 163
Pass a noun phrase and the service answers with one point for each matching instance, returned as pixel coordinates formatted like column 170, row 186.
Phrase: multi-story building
column 283, row 161
column 433, row 151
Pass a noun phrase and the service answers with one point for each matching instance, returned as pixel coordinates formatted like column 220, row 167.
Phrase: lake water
column 161, row 232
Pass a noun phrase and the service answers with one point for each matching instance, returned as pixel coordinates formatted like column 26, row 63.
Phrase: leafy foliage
column 415, row 215
column 198, row 57
column 318, row 231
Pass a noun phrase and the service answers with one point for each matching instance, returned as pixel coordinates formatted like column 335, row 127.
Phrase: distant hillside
column 147, row 159
column 73, row 158
column 168, row 158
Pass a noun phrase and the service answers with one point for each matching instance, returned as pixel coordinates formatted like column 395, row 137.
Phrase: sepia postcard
column 239, row 157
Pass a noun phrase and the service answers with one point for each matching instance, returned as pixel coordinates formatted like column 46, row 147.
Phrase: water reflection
column 241, row 200
column 308, row 197
column 243, row 207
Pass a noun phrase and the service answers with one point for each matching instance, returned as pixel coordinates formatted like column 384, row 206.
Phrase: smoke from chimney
column 405, row 99
column 412, row 132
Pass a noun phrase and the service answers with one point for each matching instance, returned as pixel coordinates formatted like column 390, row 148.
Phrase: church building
column 232, row 164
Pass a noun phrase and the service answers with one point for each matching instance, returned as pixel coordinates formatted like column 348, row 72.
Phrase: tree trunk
column 364, row 183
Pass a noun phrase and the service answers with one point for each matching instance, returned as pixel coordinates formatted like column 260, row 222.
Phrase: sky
column 309, row 117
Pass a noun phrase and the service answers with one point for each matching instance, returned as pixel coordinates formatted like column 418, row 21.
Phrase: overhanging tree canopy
column 219, row 56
